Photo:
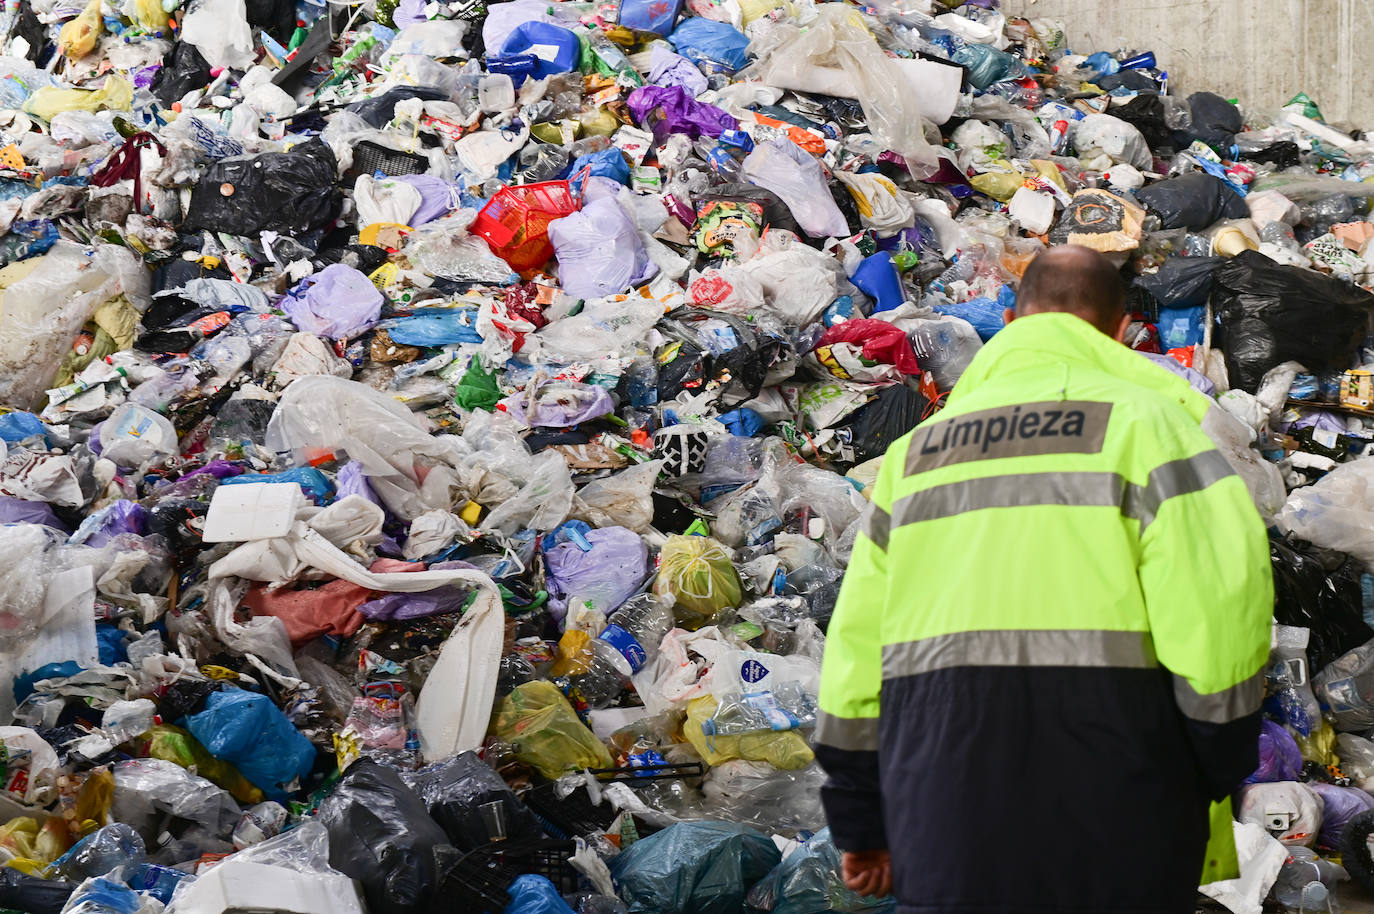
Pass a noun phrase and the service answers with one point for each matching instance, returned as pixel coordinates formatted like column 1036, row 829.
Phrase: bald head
column 1074, row 280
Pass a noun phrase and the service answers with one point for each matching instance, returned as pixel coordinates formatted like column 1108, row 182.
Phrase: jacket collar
column 1042, row 341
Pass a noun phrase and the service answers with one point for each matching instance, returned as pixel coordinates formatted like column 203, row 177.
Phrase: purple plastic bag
column 436, row 196
column 336, row 303
column 21, row 511
column 560, row 404
column 398, row 606
column 669, row 69
column 122, row 516
column 669, row 109
column 352, row 481
column 1280, row 758
column 1342, row 805
column 608, row 574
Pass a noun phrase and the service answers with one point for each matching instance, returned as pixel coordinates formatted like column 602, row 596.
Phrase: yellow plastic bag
column 786, row 749
column 696, row 572
column 18, row 836
column 999, row 185
column 79, row 36
column 1320, row 746
column 148, row 13
column 538, row 721
column 173, row 744
column 49, row 102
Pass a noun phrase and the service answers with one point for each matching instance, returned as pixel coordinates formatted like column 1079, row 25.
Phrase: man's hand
column 867, row 872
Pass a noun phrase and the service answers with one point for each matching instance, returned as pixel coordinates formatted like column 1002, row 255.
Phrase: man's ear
column 1008, row 315
column 1120, row 335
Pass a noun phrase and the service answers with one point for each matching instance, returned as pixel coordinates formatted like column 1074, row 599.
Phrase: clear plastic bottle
column 786, row 707
column 101, row 851
column 1304, row 883
column 629, row 640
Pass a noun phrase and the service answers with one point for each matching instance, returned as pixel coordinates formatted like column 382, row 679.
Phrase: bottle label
column 627, row 645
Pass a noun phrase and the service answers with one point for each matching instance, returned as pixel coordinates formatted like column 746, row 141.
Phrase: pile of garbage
column 435, row 433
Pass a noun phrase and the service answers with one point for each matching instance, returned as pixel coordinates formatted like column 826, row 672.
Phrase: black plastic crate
column 370, row 158
column 477, row 881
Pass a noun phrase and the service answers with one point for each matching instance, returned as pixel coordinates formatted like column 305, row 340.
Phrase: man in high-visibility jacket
column 1043, row 676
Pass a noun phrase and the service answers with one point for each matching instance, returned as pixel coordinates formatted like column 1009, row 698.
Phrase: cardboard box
column 1357, row 388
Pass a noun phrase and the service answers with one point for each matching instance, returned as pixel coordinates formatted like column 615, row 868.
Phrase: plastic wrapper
column 380, row 834
column 539, row 722
column 699, row 867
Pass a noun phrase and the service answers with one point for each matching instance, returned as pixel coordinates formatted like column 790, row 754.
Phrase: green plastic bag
column 477, row 389
column 697, row 573
column 544, row 729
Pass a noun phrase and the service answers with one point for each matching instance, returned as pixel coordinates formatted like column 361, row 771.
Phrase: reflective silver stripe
column 1021, row 490
column 1051, row 647
column 1220, row 707
column 1177, row 477
column 856, row 734
column 875, row 525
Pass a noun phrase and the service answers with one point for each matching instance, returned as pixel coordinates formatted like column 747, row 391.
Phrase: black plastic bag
column 1284, row 154
column 1181, row 282
column 288, row 192
column 456, row 789
column 1193, row 201
column 890, row 415
column 21, row 892
column 741, row 370
column 1145, row 112
column 1324, row 598
column 1215, row 120
column 278, row 17
column 1273, row 313
column 381, row 835
column 379, row 110
column 183, row 70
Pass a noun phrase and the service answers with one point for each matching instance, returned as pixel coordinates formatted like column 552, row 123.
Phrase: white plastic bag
column 838, row 55
column 1261, row 858
column 1289, row 810
column 385, row 201
column 219, row 30
column 1337, row 512
column 796, row 177
column 42, row 313
column 1101, row 135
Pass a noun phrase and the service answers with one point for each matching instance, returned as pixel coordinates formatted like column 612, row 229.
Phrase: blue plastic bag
column 435, row 327
column 250, row 732
column 532, row 894
column 985, row 314
column 1179, row 327
column 17, row 426
column 715, row 45
column 313, row 483
column 653, row 16
column 608, row 163
column 696, row 867
column 555, row 48
column 809, row 881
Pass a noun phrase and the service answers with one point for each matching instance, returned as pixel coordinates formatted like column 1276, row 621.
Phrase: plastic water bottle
column 629, row 640
column 101, row 851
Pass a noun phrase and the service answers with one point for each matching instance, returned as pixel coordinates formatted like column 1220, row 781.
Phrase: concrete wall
column 1262, row 52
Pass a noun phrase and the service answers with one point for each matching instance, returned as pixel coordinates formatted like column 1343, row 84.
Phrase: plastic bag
column 1288, row 680
column 837, row 55
column 1181, row 282
column 604, row 575
column 1339, row 806
column 1273, row 313
column 1337, row 512
column 546, row 733
column 785, row 169
column 381, row 834
column 148, row 791
column 1290, row 811
column 943, row 348
column 42, row 313
column 667, row 110
column 785, row 749
column 1193, row 201
column 219, row 29
column 621, row 499
column 287, row 192
column 1346, row 688
column 808, row 880
column 1215, row 121
column 693, row 868
column 247, row 730
column 1102, row 221
column 1356, row 756
column 715, row 46
column 1099, row 136
column 459, row 793
column 599, row 251
column 338, row 302
column 765, row 796
column 1279, row 757
column 700, row 577
column 531, row 894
